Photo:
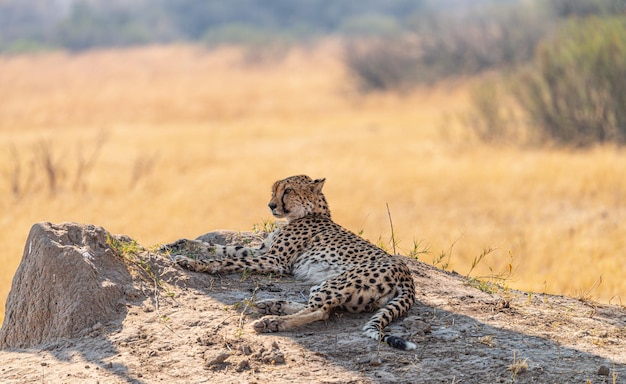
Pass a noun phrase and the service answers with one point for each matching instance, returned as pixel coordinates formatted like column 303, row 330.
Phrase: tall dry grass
column 185, row 141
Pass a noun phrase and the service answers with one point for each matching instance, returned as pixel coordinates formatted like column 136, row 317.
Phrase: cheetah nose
column 272, row 206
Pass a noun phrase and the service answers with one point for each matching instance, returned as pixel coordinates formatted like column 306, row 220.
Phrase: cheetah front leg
column 198, row 256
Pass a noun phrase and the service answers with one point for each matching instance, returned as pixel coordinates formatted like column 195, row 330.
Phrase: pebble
column 243, row 365
column 246, row 350
column 417, row 325
column 604, row 371
column 215, row 359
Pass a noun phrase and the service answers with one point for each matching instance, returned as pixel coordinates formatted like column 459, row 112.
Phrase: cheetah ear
column 317, row 185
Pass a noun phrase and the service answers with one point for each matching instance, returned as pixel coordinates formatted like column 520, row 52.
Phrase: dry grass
column 195, row 139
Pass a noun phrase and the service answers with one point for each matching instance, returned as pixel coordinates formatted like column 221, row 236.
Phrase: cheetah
column 347, row 272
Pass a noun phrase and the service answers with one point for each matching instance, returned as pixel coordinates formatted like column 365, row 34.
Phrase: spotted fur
column 346, row 271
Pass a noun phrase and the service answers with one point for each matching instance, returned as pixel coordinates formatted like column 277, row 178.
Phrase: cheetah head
column 298, row 196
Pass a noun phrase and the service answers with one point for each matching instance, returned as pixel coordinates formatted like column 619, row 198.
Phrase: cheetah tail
column 399, row 343
column 371, row 329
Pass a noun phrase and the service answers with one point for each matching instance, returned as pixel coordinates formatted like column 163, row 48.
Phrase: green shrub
column 260, row 45
column 437, row 45
column 569, row 8
column 383, row 64
column 575, row 92
column 491, row 117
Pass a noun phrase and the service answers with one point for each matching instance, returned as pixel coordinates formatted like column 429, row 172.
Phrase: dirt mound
column 113, row 312
column 68, row 281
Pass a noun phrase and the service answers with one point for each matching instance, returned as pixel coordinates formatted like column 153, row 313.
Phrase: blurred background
column 481, row 136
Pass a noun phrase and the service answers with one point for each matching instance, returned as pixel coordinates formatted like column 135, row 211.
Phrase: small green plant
column 242, row 307
column 482, row 285
column 394, row 241
column 443, row 259
column 382, row 243
column 480, row 258
column 266, row 226
column 419, row 248
column 586, row 295
column 127, row 248
column 131, row 251
column 493, row 281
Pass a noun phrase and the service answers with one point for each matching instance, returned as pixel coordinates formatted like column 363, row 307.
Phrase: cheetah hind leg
column 278, row 307
column 268, row 324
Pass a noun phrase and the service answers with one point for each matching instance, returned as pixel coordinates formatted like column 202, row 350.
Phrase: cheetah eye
column 288, row 190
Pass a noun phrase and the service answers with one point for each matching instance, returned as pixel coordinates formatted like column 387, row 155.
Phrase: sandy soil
column 194, row 328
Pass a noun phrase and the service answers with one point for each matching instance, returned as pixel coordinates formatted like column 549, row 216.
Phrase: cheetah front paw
column 278, row 307
column 176, row 246
column 189, row 263
column 270, row 307
column 267, row 324
column 183, row 261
